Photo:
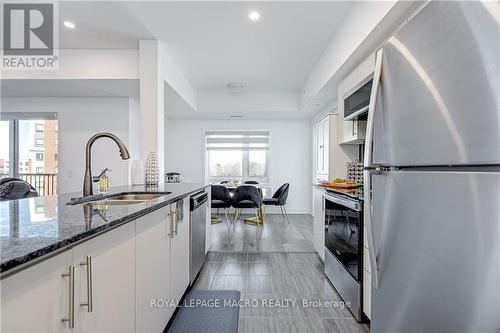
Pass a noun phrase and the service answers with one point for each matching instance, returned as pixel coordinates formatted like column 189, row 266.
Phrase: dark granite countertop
column 35, row 227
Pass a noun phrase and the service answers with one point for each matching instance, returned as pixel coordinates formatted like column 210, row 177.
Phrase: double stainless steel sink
column 124, row 198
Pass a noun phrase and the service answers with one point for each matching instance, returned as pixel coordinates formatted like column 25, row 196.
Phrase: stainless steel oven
column 344, row 247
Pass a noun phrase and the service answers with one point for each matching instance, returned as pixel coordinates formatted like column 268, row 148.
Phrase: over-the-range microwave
column 356, row 104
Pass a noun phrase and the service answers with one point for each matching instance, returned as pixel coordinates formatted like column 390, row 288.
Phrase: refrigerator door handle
column 370, row 168
column 368, row 158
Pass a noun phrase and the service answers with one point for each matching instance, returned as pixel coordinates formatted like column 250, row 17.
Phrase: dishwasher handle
column 198, row 200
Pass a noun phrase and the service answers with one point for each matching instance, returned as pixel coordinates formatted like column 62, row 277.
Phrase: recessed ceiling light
column 69, row 24
column 254, row 16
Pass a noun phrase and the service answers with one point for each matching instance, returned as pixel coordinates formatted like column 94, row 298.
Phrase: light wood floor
column 277, row 263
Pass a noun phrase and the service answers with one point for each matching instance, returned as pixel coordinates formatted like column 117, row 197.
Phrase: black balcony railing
column 44, row 183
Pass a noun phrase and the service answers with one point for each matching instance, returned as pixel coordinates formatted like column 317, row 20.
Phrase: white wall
column 134, row 145
column 355, row 27
column 79, row 119
column 289, row 154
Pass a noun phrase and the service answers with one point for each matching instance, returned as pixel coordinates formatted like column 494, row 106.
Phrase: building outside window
column 237, row 155
column 32, row 146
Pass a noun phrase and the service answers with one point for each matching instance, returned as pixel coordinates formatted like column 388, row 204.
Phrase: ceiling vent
column 235, row 87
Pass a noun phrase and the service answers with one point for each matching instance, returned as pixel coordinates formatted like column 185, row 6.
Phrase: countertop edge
column 16, row 265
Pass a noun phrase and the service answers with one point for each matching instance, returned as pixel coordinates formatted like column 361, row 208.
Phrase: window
column 56, row 142
column 240, row 155
column 55, row 157
column 5, row 149
column 23, row 150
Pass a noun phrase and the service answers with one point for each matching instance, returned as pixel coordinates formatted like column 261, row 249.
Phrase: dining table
column 263, row 190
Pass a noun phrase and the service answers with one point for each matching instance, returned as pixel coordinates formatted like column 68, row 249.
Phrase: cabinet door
column 326, row 143
column 36, row 299
column 366, row 68
column 112, row 282
column 319, row 224
column 179, row 249
column 320, row 147
column 153, row 271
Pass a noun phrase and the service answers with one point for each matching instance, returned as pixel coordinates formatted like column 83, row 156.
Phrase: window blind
column 237, row 140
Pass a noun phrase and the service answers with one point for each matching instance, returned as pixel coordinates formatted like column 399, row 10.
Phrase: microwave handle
column 369, row 168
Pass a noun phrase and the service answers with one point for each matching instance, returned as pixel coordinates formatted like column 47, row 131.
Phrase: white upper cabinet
column 353, row 131
column 322, row 137
column 330, row 158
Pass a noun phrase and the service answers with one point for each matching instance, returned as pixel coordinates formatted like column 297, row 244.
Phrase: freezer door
column 438, row 243
column 438, row 103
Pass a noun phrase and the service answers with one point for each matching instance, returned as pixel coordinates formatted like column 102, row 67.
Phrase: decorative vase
column 152, row 175
column 137, row 176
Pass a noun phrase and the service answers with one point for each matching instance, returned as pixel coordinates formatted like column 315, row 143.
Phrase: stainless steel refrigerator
column 432, row 173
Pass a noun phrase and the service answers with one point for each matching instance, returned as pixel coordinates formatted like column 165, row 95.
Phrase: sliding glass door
column 28, row 150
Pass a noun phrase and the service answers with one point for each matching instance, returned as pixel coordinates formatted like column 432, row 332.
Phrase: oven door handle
column 351, row 204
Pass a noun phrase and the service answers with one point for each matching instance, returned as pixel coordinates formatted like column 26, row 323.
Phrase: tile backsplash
column 355, row 171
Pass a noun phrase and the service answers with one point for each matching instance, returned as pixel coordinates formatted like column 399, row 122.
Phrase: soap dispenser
column 102, row 181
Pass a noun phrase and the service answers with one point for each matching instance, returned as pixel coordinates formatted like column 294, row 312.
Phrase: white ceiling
column 214, row 43
column 69, row 88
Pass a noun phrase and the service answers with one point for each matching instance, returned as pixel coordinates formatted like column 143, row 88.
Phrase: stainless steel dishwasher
column 197, row 231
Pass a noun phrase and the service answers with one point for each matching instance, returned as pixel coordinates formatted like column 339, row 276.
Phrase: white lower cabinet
column 127, row 275
column 162, row 265
column 179, row 250
column 36, row 299
column 152, row 241
column 319, row 222
column 110, row 288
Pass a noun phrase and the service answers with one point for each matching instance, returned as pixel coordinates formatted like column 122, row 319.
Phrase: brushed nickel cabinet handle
column 170, row 224
column 71, row 304
column 175, row 222
column 90, row 295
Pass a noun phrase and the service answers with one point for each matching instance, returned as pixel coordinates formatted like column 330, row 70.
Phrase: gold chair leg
column 257, row 217
column 286, row 214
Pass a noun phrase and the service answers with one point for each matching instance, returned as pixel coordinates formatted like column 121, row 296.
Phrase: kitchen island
column 94, row 267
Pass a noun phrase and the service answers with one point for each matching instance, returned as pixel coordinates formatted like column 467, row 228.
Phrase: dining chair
column 279, row 199
column 246, row 196
column 221, row 198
